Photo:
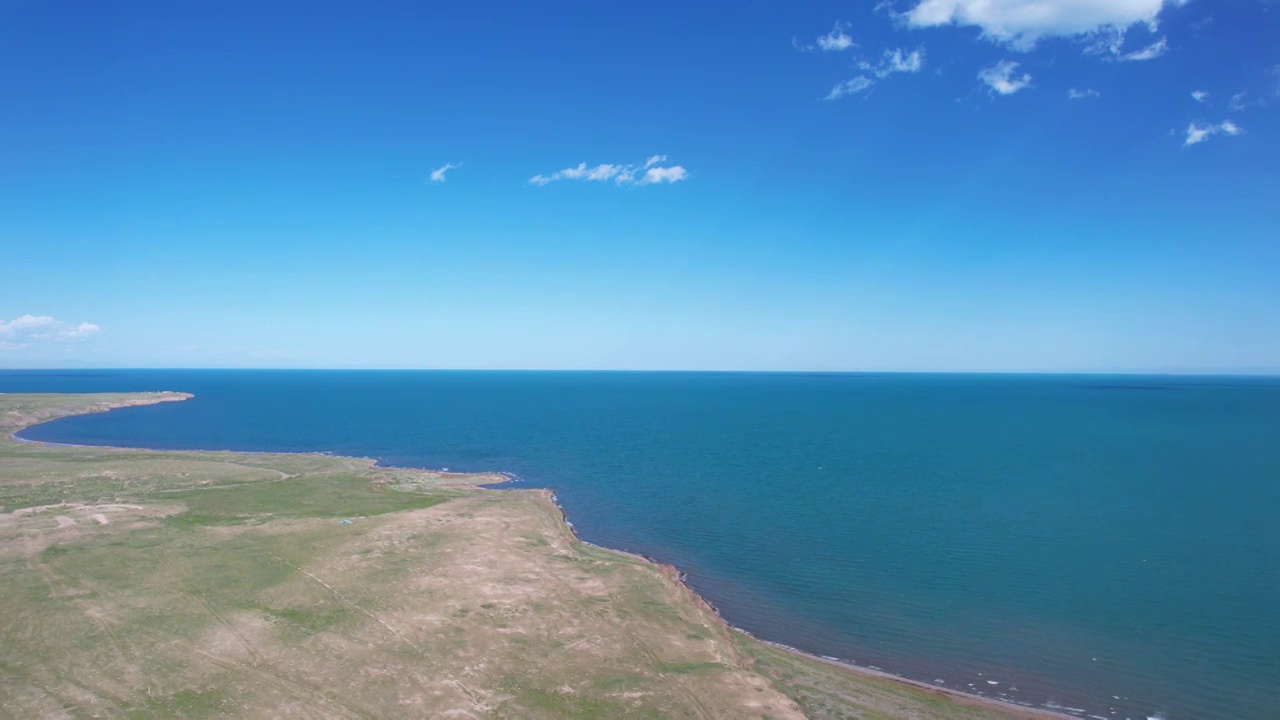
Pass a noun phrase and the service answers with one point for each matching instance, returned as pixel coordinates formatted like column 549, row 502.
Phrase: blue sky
column 1007, row 185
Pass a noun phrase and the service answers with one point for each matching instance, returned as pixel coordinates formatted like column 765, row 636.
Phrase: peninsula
column 220, row 584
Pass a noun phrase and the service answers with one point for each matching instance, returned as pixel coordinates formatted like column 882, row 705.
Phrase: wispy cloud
column 652, row 172
column 890, row 62
column 1076, row 94
column 1108, row 42
column 837, row 40
column 850, row 87
column 658, row 175
column 1198, row 132
column 437, row 175
column 29, row 330
column 1001, row 79
column 1200, row 96
column 895, row 61
column 1020, row 24
column 1241, row 100
column 1150, row 52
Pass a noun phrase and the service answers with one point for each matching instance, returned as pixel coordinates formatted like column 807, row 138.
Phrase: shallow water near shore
column 1103, row 544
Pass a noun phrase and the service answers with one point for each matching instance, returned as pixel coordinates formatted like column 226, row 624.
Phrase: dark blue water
column 1110, row 544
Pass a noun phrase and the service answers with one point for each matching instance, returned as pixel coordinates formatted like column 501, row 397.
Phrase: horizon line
column 1227, row 372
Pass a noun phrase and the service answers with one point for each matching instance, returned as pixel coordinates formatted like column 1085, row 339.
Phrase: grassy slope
column 208, row 584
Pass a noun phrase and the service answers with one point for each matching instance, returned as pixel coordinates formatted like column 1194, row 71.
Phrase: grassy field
column 210, row 584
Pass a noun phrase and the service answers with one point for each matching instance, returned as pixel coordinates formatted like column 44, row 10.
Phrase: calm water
column 1102, row 543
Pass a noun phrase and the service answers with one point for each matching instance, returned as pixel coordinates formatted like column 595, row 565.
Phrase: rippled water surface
column 1109, row 544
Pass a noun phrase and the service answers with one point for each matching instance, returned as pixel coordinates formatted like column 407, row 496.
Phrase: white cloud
column 657, row 175
column 650, row 173
column 1000, row 78
column 1240, row 101
column 1150, row 52
column 1076, row 94
column 437, row 175
column 1109, row 41
column 24, row 331
column 895, row 61
column 837, row 40
column 1198, row 133
column 892, row 61
column 84, row 329
column 1200, row 96
column 1021, row 23
column 603, row 172
column 850, row 87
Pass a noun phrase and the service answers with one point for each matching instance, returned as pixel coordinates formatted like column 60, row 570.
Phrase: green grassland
column 143, row 583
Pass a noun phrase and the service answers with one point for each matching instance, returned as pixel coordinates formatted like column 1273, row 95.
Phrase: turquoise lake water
column 1101, row 543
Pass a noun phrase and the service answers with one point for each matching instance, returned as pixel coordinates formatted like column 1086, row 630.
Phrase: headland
column 226, row 584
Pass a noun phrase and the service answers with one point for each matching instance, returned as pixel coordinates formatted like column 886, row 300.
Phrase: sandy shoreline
column 477, row 482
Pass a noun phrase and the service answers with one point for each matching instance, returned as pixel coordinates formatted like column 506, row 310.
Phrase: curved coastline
column 678, row 577
column 480, row 481
column 494, row 477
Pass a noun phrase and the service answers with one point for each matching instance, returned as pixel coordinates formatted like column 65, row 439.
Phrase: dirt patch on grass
column 405, row 613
